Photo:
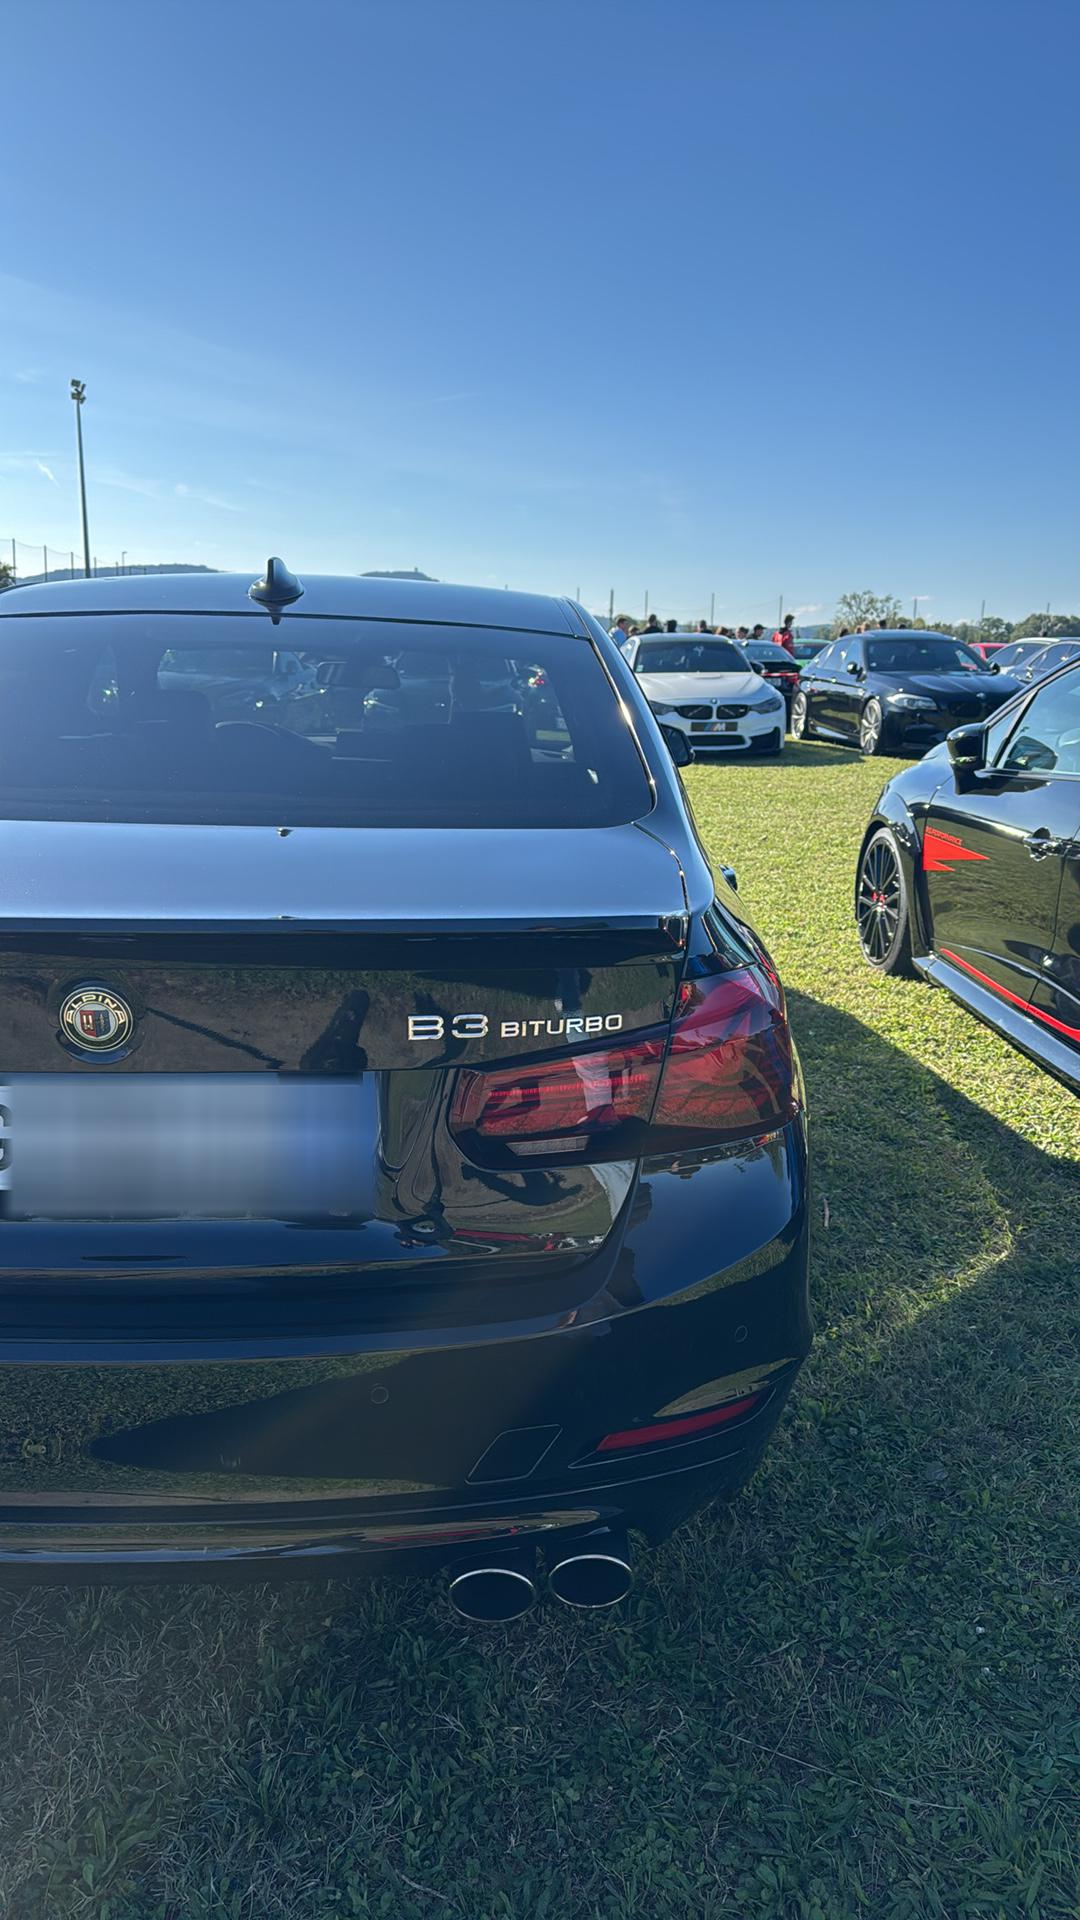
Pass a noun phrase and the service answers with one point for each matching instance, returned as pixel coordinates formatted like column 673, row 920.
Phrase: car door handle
column 1042, row 842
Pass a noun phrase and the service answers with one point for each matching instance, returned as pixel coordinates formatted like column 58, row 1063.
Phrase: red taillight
column 685, row 1427
column 729, row 1068
column 725, row 1072
column 582, row 1093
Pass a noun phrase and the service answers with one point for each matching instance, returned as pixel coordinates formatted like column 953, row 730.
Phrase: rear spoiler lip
column 669, row 927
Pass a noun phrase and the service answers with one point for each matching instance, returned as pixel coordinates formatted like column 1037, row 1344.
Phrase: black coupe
column 402, row 1147
column 969, row 872
column 894, row 692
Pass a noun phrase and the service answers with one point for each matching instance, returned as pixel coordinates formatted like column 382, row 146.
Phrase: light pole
column 78, row 394
column 123, row 561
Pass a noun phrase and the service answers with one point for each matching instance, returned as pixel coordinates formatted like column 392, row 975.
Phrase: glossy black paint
column 190, row 1398
column 837, row 685
column 995, row 889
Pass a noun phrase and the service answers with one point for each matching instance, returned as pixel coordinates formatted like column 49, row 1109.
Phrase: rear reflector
column 726, row 1072
column 688, row 1426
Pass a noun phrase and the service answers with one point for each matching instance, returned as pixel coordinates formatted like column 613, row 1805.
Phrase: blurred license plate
column 208, row 1146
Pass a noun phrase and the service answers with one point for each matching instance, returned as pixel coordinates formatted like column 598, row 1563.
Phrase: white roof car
column 702, row 684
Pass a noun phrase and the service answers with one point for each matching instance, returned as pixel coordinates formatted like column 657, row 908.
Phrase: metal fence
column 29, row 564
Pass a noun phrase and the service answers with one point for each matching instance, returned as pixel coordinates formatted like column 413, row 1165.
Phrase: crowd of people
column 781, row 636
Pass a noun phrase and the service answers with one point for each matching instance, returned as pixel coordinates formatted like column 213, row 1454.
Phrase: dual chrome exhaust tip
column 593, row 1572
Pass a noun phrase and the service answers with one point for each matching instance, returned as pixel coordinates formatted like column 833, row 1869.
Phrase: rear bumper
column 397, row 1542
column 223, row 1456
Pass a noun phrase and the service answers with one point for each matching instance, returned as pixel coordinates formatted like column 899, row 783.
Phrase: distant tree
column 5, row 575
column 853, row 609
column 1052, row 624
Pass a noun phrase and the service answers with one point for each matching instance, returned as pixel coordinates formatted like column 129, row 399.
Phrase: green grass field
column 853, row 1693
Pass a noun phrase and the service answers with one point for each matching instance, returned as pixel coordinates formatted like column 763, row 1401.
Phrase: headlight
column 771, row 705
column 914, row 702
column 661, row 706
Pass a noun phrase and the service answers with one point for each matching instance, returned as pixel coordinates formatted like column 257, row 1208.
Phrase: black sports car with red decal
column 969, row 872
column 402, row 1147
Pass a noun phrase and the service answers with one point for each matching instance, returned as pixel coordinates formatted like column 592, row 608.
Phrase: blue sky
column 699, row 297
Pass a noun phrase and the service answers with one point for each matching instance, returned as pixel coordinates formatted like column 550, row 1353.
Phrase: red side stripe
column 1061, row 1026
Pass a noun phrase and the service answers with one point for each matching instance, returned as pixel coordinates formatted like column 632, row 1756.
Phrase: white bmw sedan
column 706, row 688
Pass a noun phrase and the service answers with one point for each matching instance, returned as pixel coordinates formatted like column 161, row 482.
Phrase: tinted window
column 1030, row 665
column 826, row 659
column 1047, row 737
column 1059, row 655
column 922, row 653
column 1016, row 653
column 768, row 656
column 112, row 717
column 690, row 656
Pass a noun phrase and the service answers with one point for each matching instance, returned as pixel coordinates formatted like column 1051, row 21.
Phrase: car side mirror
column 967, row 748
column 756, row 667
column 854, row 669
column 678, row 745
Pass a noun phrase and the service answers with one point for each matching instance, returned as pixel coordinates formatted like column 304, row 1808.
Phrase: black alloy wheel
column 871, row 728
column 881, row 906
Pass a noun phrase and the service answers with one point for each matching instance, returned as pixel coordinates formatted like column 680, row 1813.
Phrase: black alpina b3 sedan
column 969, row 872
column 894, row 692
column 402, row 1146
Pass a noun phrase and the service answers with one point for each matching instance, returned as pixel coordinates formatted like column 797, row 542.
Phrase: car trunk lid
column 301, row 1006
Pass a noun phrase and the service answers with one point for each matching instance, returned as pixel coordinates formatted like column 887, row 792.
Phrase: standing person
column 703, row 627
column 622, row 630
column 757, row 631
column 671, row 626
column 652, row 625
column 742, row 636
column 783, row 636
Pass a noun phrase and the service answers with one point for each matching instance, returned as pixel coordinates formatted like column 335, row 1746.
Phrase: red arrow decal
column 940, row 850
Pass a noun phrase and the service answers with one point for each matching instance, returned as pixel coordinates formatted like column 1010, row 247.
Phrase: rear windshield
column 690, row 656
column 767, row 656
column 213, row 718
